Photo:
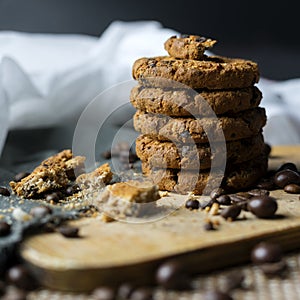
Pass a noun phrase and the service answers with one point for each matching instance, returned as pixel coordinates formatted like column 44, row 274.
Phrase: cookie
column 188, row 46
column 214, row 72
column 56, row 172
column 186, row 102
column 237, row 177
column 168, row 155
column 187, row 130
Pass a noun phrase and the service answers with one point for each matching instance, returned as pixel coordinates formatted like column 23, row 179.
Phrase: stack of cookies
column 194, row 109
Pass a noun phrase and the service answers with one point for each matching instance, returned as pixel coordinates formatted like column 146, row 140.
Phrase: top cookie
column 188, row 46
column 213, row 72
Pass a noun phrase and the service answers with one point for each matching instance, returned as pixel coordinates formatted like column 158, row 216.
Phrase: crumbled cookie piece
column 56, row 172
column 123, row 198
column 188, row 46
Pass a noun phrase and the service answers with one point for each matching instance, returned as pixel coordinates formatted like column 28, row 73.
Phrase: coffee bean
column 265, row 252
column 142, row 294
column 209, row 226
column 285, row 177
column 292, row 188
column 259, row 192
column 288, row 166
column 263, row 207
column 234, row 280
column 53, row 197
column 216, row 295
column 274, row 269
column 104, row 293
column 224, row 200
column 5, row 228
column 266, row 184
column 40, row 211
column 20, row 277
column 231, row 212
column 171, row 275
column 106, row 154
column 21, row 175
column 125, row 290
column 69, row 231
column 217, row 192
column 4, row 191
column 192, row 204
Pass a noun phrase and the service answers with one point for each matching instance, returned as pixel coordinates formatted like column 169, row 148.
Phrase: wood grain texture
column 110, row 253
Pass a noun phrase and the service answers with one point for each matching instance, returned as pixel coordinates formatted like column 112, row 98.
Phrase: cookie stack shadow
column 199, row 119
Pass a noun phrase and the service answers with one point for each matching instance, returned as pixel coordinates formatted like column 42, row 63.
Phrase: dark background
column 265, row 31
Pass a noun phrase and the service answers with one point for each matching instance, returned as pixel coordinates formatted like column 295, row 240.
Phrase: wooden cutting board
column 111, row 253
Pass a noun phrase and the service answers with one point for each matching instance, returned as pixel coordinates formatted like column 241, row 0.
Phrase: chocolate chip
column 21, row 175
column 259, row 192
column 69, row 231
column 4, row 191
column 104, row 293
column 234, row 280
column 40, row 211
column 208, row 226
column 142, row 294
column 288, row 166
column 274, row 269
column 217, row 192
column 292, row 188
column 224, row 200
column 192, row 204
column 20, row 277
column 53, row 197
column 171, row 275
column 5, row 228
column 231, row 212
column 265, row 252
column 125, row 290
column 216, row 295
column 285, row 177
column 263, row 206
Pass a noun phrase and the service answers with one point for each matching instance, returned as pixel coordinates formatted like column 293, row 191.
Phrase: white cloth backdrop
column 49, row 78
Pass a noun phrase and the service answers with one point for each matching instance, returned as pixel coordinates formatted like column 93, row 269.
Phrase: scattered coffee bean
column 125, row 290
column 21, row 175
column 263, row 206
column 267, row 184
column 287, row 166
column 20, row 277
column 231, row 212
column 217, row 192
column 40, row 211
column 106, row 154
column 285, row 177
column 258, row 192
column 142, row 294
column 5, row 228
column 171, row 275
column 209, row 226
column 268, row 149
column 53, row 197
column 234, row 280
column 274, row 269
column 4, row 191
column 104, row 293
column 69, row 231
column 192, row 204
column 216, row 295
column 292, row 188
column 224, row 200
column 266, row 252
